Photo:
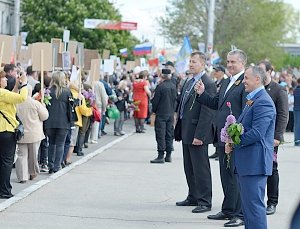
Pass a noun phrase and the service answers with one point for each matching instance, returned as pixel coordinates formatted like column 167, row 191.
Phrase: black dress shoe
column 271, row 209
column 234, row 222
column 201, row 209
column 186, row 202
column 158, row 160
column 80, row 154
column 219, row 216
column 168, row 159
column 6, row 196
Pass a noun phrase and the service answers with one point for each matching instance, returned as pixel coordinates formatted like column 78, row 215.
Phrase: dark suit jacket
column 236, row 95
column 219, row 84
column 280, row 99
column 58, row 110
column 164, row 100
column 254, row 155
column 197, row 121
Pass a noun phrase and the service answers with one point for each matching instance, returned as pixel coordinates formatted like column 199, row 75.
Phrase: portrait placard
column 8, row 44
column 108, row 66
column 66, row 60
column 95, row 70
column 36, row 56
column 72, row 48
column 130, row 65
column 106, row 54
column 89, row 55
column 80, row 52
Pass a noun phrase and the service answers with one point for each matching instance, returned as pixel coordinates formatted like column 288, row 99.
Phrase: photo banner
column 109, row 24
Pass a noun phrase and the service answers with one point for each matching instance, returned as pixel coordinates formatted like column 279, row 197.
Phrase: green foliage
column 235, row 130
column 290, row 60
column 254, row 26
column 184, row 17
column 48, row 19
column 47, row 100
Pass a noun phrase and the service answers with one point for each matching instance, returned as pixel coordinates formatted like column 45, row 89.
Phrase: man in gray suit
column 195, row 128
column 233, row 91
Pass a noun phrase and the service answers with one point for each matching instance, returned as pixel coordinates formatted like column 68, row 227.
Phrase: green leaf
column 239, row 128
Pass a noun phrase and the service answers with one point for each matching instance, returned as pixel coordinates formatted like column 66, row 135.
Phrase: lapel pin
column 237, row 82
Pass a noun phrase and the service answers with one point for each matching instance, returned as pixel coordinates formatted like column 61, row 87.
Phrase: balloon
column 113, row 113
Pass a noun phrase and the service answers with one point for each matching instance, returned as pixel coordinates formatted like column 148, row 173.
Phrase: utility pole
column 17, row 17
column 210, row 26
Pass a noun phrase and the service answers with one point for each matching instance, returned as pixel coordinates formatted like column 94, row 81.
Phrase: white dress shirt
column 233, row 79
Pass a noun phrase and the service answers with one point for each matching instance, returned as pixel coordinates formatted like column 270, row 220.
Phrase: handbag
column 19, row 130
column 96, row 114
column 72, row 116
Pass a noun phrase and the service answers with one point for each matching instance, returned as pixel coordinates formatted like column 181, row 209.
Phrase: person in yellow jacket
column 8, row 123
column 81, row 110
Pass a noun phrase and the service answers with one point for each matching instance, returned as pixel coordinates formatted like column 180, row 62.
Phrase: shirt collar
column 199, row 76
column 236, row 76
column 253, row 93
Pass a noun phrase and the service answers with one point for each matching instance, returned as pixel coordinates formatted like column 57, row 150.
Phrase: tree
column 184, row 17
column 256, row 26
column 48, row 19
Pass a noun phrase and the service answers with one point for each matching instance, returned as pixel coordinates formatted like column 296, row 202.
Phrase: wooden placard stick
column 42, row 76
column 79, row 84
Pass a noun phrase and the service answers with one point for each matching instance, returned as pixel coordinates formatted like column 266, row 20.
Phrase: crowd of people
column 65, row 117
column 190, row 107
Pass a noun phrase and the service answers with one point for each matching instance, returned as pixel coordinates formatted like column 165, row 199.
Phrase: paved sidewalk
column 119, row 188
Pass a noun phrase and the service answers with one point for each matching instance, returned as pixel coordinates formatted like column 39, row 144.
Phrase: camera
column 166, row 71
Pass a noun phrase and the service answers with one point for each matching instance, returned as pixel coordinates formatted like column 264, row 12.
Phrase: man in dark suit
column 233, row 91
column 164, row 105
column 196, row 133
column 280, row 99
column 253, row 157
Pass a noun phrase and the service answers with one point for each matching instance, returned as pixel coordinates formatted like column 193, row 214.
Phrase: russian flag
column 142, row 49
column 123, row 52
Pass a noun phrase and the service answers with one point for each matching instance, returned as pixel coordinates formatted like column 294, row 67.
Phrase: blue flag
column 182, row 58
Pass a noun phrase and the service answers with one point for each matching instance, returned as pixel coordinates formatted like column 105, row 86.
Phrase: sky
column 145, row 12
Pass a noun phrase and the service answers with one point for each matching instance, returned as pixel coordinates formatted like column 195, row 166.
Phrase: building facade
column 7, row 17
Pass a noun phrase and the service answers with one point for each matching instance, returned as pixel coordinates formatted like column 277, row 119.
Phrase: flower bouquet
column 47, row 97
column 89, row 97
column 231, row 133
column 135, row 105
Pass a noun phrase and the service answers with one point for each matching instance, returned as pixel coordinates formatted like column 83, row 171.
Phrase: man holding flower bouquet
column 231, row 91
column 253, row 156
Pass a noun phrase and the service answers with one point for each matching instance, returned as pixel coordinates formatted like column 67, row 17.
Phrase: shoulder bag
column 19, row 130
